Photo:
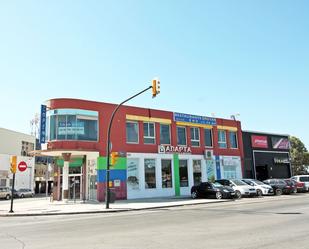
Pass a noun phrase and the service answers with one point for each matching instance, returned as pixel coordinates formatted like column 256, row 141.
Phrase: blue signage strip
column 181, row 117
column 43, row 124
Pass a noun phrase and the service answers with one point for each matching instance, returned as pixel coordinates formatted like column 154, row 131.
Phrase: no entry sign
column 22, row 166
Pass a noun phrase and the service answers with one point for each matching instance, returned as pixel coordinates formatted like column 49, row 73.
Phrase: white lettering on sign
column 163, row 149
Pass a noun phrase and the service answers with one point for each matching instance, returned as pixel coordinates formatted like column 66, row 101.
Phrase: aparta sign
column 165, row 149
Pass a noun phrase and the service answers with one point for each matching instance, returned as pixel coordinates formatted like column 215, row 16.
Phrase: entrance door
column 75, row 187
column 183, row 177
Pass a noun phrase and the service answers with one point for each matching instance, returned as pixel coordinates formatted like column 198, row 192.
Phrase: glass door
column 75, row 188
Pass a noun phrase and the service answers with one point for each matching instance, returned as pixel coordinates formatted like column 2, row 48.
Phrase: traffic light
column 114, row 158
column 155, row 87
column 13, row 164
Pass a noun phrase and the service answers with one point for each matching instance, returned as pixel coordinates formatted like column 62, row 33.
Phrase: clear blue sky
column 222, row 57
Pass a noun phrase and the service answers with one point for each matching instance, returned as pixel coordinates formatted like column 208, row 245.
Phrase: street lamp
column 155, row 91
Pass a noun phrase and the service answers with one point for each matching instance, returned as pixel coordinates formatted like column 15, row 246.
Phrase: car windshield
column 239, row 183
column 216, row 184
column 258, row 182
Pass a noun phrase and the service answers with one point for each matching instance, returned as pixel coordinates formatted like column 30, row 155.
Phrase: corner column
column 65, row 176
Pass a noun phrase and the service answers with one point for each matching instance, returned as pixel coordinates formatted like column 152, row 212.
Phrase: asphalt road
column 269, row 222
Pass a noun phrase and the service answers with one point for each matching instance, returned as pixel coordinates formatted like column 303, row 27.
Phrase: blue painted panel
column 114, row 175
column 182, row 117
column 218, row 169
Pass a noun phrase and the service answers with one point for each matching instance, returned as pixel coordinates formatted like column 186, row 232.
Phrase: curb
column 113, row 210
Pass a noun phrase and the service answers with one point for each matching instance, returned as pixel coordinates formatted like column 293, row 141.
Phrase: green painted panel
column 176, row 174
column 120, row 164
column 76, row 162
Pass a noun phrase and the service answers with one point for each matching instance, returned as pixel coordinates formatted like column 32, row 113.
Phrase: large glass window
column 166, row 173
column 133, row 174
column 208, row 137
column 165, row 137
column 222, row 139
column 132, row 132
column 181, row 136
column 150, row 173
column 149, row 133
column 233, row 140
column 197, row 172
column 72, row 124
column 195, row 136
column 183, row 173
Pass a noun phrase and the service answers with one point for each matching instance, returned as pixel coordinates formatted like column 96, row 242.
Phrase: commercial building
column 163, row 153
column 18, row 144
column 266, row 155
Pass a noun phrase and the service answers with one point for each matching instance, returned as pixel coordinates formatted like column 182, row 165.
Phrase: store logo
column 259, row 141
column 163, row 149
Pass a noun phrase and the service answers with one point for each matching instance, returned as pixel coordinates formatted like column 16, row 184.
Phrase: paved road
column 274, row 222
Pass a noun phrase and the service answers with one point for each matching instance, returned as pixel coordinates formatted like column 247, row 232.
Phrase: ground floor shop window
column 197, row 172
column 133, row 174
column 166, row 173
column 183, row 173
column 230, row 172
column 150, row 173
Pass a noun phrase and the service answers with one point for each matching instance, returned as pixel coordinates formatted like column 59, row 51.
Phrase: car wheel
column 7, row 197
column 237, row 194
column 218, row 195
column 194, row 195
column 259, row 193
column 22, row 196
column 278, row 191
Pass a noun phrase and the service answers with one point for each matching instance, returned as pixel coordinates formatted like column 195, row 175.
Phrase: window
column 132, row 132
column 208, row 137
column 72, row 124
column 165, row 137
column 195, row 136
column 197, row 172
column 222, row 138
column 181, row 136
column 149, row 133
column 166, row 173
column 3, row 182
column 150, row 173
column 233, row 140
column 133, row 174
column 230, row 172
column 183, row 173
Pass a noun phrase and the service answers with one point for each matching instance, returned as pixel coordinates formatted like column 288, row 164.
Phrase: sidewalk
column 43, row 206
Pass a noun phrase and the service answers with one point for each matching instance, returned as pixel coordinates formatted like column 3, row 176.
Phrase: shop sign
column 259, row 142
column 281, row 160
column 188, row 118
column 69, row 128
column 165, row 149
column 280, row 143
column 43, row 124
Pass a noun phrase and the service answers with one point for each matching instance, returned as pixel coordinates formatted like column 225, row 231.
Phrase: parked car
column 241, row 188
column 211, row 190
column 300, row 186
column 279, row 186
column 24, row 192
column 5, row 193
column 302, row 178
column 261, row 188
column 291, row 184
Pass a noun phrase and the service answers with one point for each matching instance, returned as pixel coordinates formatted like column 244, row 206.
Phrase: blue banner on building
column 181, row 117
column 43, row 124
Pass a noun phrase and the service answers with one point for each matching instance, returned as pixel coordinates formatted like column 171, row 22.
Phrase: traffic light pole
column 108, row 144
column 12, row 195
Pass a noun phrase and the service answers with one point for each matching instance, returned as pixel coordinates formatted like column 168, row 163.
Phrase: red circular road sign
column 22, row 166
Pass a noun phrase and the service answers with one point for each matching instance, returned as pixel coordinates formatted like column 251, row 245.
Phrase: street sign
column 22, row 166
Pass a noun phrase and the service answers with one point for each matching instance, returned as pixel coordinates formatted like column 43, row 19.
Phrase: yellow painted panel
column 194, row 125
column 148, row 119
column 229, row 128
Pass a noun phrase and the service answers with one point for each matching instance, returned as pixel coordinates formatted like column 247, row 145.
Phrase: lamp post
column 155, row 90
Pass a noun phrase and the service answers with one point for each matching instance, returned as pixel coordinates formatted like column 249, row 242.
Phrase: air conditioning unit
column 208, row 154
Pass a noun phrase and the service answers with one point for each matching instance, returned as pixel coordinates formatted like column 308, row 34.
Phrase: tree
column 299, row 156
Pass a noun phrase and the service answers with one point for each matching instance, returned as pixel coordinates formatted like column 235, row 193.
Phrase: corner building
column 162, row 153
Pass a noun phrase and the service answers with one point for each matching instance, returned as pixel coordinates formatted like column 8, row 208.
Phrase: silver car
column 5, row 193
column 24, row 192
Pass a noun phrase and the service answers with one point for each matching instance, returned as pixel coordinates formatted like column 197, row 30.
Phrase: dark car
column 279, row 186
column 211, row 190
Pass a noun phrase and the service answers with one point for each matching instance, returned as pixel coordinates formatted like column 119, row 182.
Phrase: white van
column 302, row 178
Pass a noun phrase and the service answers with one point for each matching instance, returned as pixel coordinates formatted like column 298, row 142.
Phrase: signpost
column 22, row 166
